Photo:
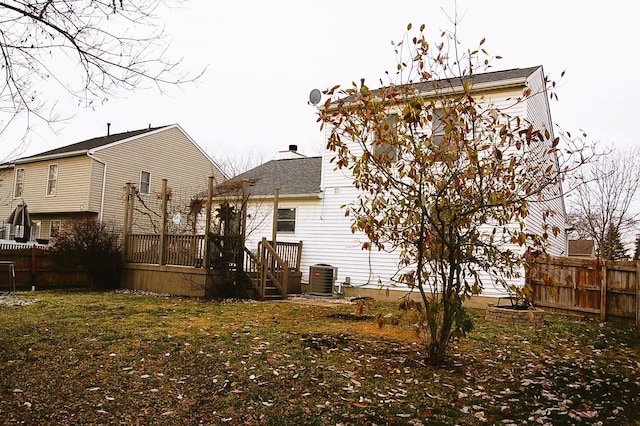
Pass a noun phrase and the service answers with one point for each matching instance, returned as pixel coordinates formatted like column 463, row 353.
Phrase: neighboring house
column 314, row 215
column 88, row 178
column 582, row 248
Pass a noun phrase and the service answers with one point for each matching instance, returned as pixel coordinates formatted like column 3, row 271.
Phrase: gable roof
column 294, row 177
column 81, row 148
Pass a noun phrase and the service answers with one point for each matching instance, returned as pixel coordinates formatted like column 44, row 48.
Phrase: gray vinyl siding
column 167, row 153
column 96, row 177
column 72, row 187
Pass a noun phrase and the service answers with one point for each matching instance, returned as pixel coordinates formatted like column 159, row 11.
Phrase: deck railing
column 269, row 267
column 143, row 248
column 180, row 250
column 291, row 252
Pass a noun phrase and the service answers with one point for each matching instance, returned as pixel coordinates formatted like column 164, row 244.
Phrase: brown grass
column 105, row 358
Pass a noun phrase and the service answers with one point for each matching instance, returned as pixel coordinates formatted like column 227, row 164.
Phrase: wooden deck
column 271, row 272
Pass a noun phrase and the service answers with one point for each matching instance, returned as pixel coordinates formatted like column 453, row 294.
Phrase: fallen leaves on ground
column 107, row 358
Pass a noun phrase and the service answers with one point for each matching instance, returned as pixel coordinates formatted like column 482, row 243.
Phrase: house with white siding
column 88, row 178
column 312, row 193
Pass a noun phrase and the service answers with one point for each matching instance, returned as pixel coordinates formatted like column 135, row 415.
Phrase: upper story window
column 437, row 128
column 384, row 145
column 52, row 180
column 19, row 183
column 286, row 221
column 145, row 182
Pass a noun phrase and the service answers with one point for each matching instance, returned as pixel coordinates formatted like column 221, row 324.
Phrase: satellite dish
column 315, row 96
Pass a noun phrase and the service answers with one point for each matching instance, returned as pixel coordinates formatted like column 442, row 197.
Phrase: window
column 286, row 221
column 384, row 146
column 36, row 226
column 54, row 229
column 19, row 185
column 437, row 128
column 145, row 182
column 52, row 180
column 444, row 149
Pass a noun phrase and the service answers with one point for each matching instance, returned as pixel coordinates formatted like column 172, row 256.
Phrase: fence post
column 603, row 292
column 637, row 293
column 34, row 262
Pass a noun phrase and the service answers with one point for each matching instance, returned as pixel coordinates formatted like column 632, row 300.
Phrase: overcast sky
column 264, row 57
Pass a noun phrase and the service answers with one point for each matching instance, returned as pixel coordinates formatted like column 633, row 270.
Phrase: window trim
column 49, row 180
column 280, row 221
column 15, row 183
column 148, row 183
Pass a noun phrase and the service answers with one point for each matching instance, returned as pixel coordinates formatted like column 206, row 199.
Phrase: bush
column 96, row 246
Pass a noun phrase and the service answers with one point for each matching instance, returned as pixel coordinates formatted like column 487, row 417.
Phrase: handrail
column 289, row 251
column 275, row 267
column 253, row 269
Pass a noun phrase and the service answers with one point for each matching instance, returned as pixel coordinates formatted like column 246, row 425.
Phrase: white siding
column 326, row 236
column 334, row 243
column 326, row 233
column 553, row 201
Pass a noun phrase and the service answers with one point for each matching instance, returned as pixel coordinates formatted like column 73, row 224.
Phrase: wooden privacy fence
column 42, row 268
column 593, row 288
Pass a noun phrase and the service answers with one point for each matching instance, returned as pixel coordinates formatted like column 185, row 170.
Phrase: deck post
column 274, row 227
column 243, row 226
column 298, row 257
column 207, row 224
column 285, row 279
column 163, row 226
column 125, row 228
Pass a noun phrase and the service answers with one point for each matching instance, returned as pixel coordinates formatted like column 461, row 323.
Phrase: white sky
column 264, row 57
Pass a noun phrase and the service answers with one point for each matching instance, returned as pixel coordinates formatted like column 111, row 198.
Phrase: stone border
column 504, row 315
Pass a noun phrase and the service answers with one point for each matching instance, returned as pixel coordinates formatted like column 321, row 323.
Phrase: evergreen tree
column 613, row 248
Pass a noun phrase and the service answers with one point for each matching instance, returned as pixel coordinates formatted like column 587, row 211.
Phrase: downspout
column 104, row 182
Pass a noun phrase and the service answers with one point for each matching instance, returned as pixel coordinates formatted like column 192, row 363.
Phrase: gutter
column 285, row 196
column 104, row 182
column 51, row 157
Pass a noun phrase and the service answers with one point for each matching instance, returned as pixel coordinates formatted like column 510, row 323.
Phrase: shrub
column 96, row 246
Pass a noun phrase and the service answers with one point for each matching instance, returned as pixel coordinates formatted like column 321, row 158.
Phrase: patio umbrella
column 20, row 216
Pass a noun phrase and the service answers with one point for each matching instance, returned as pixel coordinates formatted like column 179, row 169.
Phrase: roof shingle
column 294, row 176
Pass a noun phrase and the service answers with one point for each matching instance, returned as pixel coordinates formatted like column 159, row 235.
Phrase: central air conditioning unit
column 321, row 280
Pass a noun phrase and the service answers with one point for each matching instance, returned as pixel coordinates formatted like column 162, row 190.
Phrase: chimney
column 108, row 129
column 293, row 148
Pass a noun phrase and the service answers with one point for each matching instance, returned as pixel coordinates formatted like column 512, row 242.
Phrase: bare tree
column 603, row 202
column 88, row 49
